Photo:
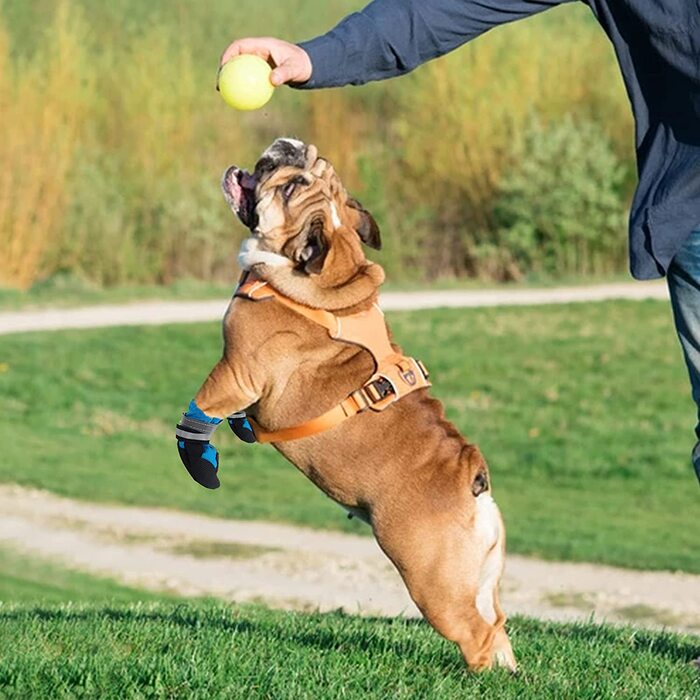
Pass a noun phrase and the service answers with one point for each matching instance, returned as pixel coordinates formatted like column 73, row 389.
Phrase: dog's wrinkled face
column 298, row 211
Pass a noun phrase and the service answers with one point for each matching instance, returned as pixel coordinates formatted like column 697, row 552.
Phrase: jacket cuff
column 326, row 54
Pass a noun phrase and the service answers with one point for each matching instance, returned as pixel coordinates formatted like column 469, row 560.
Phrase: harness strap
column 395, row 375
column 324, row 422
column 256, row 289
column 365, row 328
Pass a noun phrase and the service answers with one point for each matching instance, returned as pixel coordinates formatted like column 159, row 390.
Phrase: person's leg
column 684, row 286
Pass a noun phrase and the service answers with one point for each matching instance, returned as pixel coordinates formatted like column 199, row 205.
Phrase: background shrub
column 558, row 209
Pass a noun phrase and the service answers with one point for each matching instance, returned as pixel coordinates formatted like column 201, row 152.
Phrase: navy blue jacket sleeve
column 392, row 37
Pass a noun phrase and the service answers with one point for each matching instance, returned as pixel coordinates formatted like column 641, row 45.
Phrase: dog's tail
column 476, row 470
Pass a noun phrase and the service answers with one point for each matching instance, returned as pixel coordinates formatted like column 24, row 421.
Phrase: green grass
column 24, row 579
column 582, row 411
column 214, row 651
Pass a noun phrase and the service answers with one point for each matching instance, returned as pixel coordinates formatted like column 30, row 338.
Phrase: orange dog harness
column 394, row 377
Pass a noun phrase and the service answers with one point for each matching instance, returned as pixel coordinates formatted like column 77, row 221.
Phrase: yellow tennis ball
column 244, row 82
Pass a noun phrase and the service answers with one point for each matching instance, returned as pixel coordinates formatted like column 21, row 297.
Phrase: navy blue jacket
column 657, row 43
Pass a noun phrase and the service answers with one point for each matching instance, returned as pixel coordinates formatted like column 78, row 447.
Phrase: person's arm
column 386, row 39
column 392, row 37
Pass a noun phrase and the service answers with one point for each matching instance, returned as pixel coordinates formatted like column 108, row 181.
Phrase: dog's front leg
column 227, row 390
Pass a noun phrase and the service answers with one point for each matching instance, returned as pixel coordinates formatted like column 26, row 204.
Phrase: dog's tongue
column 247, row 181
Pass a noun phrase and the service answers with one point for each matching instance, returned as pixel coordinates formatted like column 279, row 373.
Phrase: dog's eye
column 288, row 190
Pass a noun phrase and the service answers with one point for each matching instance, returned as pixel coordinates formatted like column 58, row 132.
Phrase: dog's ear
column 313, row 254
column 311, row 156
column 320, row 166
column 365, row 225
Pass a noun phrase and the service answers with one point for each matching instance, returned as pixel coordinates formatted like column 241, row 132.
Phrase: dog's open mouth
column 239, row 190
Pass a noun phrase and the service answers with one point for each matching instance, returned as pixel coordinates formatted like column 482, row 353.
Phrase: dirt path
column 293, row 567
column 159, row 313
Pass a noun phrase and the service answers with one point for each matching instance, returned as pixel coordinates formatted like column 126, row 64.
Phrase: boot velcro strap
column 193, row 429
column 189, row 435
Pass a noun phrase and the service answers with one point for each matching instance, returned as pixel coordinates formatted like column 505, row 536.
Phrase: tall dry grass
column 146, row 202
column 113, row 139
column 42, row 112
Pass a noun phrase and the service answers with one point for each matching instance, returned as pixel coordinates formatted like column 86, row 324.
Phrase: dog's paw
column 241, row 428
column 201, row 460
column 502, row 656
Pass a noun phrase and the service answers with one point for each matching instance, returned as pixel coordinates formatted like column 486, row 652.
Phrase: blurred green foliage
column 559, row 208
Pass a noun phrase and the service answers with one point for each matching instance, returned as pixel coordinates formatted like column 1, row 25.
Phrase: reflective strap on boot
column 193, row 429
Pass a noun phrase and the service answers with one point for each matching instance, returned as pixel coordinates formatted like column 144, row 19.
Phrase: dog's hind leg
column 502, row 650
column 452, row 575
column 489, row 524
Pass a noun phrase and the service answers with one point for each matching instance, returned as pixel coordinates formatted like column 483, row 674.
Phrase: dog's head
column 304, row 225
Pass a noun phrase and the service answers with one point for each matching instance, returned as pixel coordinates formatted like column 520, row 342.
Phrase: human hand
column 290, row 63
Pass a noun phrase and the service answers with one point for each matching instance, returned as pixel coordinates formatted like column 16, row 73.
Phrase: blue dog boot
column 196, row 452
column 201, row 461
column 241, row 428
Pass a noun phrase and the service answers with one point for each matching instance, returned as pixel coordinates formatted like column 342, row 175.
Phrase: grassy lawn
column 582, row 411
column 24, row 579
column 214, row 651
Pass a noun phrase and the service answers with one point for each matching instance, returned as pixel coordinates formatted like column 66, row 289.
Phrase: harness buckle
column 380, row 389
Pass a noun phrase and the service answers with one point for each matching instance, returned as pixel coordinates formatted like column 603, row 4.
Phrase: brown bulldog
column 302, row 341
